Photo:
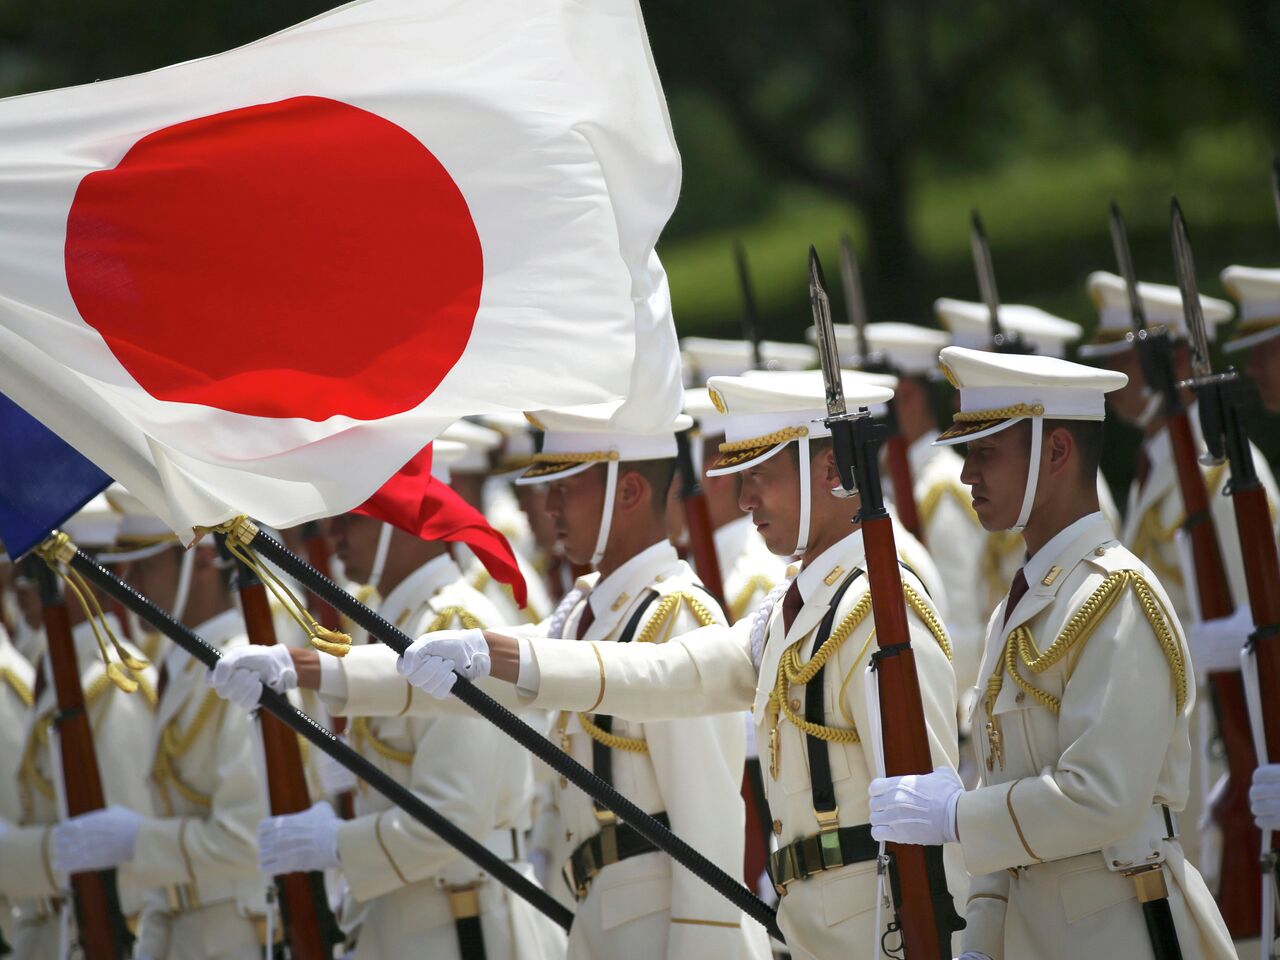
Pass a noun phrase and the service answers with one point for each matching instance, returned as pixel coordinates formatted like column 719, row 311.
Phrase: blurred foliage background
column 890, row 120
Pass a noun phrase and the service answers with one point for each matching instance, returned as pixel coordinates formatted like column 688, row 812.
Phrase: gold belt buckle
column 829, row 838
column 1149, row 882
column 607, row 820
column 464, row 901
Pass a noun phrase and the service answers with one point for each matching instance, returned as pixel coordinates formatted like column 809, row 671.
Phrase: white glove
column 334, row 777
column 241, row 673
column 432, row 660
column 95, row 841
column 299, row 842
column 1264, row 796
column 973, row 955
column 920, row 808
column 1215, row 644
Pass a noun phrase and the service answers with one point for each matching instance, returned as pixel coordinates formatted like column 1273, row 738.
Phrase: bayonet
column 1124, row 260
column 854, row 304
column 838, row 417
column 1001, row 341
column 1185, row 266
column 1155, row 349
column 750, row 312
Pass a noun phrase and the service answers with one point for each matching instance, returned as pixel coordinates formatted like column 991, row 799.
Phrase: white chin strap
column 606, row 515
column 184, row 583
column 802, row 536
column 1033, row 474
column 380, row 555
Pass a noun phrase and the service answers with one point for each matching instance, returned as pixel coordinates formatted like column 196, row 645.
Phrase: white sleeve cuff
column 333, row 679
column 529, row 678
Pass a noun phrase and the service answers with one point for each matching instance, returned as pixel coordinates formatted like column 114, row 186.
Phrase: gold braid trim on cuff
column 1000, row 413
column 785, row 435
column 1020, row 647
column 662, row 618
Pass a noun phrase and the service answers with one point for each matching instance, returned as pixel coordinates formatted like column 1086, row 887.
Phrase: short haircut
column 657, row 473
column 1088, row 437
column 817, row 446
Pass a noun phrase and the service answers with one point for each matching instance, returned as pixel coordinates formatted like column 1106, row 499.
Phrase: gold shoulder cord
column 1152, row 533
column 175, row 744
column 661, row 622
column 240, row 533
column 23, row 692
column 936, row 494
column 57, row 552
column 791, row 672
column 1020, row 648
column 758, row 583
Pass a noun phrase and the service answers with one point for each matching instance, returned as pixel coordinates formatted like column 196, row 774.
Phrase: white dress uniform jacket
column 397, row 872
column 121, row 725
column 713, row 671
column 198, row 856
column 17, row 686
column 1077, row 758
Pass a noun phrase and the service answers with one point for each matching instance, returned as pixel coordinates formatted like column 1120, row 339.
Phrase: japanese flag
column 260, row 282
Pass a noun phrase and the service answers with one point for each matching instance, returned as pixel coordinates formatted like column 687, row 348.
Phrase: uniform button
column 1020, row 697
column 1099, row 552
column 777, row 828
column 795, row 704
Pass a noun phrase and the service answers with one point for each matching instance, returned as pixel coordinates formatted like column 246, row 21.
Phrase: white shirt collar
column 1037, row 566
column 423, row 583
column 848, row 553
column 644, row 564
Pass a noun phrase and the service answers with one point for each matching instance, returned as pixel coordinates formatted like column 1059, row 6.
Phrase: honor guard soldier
column 17, row 694
column 195, row 857
column 1082, row 725
column 470, row 478
column 121, row 723
column 1047, row 336
column 407, row 892
column 798, row 662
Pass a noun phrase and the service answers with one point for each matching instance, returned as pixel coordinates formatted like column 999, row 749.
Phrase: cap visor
column 972, row 430
column 547, row 470
column 740, row 460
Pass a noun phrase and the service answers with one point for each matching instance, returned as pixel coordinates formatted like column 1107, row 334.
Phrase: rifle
column 1002, row 341
column 310, row 927
column 697, row 519
column 895, row 448
column 750, row 318
column 1240, row 870
column 277, row 704
column 103, row 932
column 925, row 910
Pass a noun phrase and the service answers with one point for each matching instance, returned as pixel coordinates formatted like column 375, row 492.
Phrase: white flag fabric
column 260, row 282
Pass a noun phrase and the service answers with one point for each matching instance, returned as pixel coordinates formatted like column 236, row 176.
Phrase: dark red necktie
column 791, row 604
column 584, row 623
column 1016, row 591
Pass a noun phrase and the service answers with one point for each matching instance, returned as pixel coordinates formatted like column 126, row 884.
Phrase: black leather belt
column 823, row 851
column 614, row 843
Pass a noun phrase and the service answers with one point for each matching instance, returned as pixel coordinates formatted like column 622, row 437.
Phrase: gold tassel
column 240, row 533
column 57, row 552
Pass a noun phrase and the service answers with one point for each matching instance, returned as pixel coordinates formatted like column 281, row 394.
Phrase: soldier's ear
column 1059, row 447
column 633, row 491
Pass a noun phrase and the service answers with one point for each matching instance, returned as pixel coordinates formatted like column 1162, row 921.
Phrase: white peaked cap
column 1161, row 302
column 908, row 347
column 576, row 438
column 997, row 390
column 698, row 405
column 765, row 411
column 94, row 526
column 477, row 440
column 444, row 454
column 706, row 358
column 970, row 325
column 518, row 445
column 140, row 532
column 1257, row 290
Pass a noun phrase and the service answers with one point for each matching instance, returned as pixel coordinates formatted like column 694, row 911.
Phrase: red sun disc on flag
column 304, row 258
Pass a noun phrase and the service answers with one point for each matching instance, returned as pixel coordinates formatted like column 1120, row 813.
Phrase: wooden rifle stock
column 310, row 928
column 697, row 519
column 103, row 933
column 904, row 493
column 1239, row 870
